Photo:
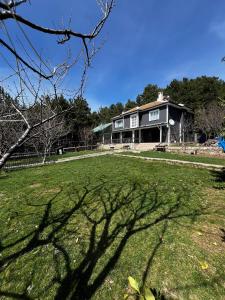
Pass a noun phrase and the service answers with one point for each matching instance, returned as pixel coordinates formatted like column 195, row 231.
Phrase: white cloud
column 218, row 28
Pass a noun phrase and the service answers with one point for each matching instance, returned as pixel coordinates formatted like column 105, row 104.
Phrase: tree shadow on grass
column 157, row 294
column 82, row 239
column 215, row 281
column 222, row 234
column 219, row 178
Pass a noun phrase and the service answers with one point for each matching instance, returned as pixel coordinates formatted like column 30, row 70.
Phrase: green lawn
column 186, row 157
column 77, row 230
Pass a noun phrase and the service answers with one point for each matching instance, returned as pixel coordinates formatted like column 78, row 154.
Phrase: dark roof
column 146, row 106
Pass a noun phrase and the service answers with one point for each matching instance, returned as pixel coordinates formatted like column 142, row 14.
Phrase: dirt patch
column 3, row 197
column 210, row 155
column 35, row 185
column 211, row 238
column 52, row 191
column 215, row 199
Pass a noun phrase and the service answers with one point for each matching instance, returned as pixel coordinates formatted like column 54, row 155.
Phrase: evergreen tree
column 107, row 113
column 149, row 94
column 130, row 104
column 79, row 116
column 196, row 93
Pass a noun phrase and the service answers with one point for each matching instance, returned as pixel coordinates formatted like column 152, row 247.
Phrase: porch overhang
column 140, row 127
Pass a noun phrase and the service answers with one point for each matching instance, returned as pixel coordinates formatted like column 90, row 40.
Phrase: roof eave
column 139, row 109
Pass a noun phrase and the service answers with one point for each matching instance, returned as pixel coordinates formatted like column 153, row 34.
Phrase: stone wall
column 213, row 150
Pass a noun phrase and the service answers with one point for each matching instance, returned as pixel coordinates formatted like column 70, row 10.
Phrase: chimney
column 160, row 97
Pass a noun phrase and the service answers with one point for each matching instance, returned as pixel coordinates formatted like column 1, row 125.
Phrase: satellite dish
column 171, row 122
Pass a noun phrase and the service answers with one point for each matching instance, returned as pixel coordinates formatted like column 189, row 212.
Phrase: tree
column 107, row 113
column 116, row 109
column 33, row 75
column 222, row 103
column 45, row 136
column 130, row 104
column 196, row 93
column 95, row 119
column 104, row 114
column 79, row 117
column 149, row 94
column 8, row 132
column 210, row 120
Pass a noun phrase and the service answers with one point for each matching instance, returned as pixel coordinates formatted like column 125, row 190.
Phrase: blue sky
column 146, row 41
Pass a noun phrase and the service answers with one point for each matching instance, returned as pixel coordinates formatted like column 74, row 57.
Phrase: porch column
column 103, row 139
column 169, row 132
column 111, row 138
column 133, row 136
column 196, row 137
column 121, row 137
column 180, row 133
column 139, row 136
column 181, row 128
column 160, row 134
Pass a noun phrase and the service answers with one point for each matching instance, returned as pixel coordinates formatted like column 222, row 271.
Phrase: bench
column 161, row 148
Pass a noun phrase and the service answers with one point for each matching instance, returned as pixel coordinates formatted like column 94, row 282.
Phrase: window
column 154, row 115
column 134, row 121
column 119, row 123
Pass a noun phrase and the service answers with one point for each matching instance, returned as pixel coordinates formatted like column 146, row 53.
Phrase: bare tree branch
column 11, row 4
column 22, row 115
column 23, row 61
column 66, row 33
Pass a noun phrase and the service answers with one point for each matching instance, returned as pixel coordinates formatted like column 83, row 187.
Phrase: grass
column 79, row 229
column 185, row 157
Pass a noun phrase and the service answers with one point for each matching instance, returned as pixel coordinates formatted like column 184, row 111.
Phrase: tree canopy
column 196, row 93
column 149, row 94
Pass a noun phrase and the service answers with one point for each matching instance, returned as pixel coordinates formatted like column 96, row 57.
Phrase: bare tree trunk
column 12, row 149
column 46, row 152
column 44, row 156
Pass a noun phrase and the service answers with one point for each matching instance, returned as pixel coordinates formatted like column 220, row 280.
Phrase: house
column 161, row 121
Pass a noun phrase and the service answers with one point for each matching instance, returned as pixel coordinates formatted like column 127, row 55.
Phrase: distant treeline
column 204, row 95
column 197, row 94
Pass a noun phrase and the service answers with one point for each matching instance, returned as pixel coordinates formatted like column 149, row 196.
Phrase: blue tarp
column 221, row 143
